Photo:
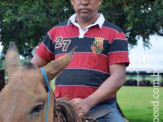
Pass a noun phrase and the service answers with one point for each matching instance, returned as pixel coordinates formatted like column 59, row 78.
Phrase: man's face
column 86, row 9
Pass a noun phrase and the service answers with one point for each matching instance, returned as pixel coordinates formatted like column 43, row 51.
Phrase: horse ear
column 12, row 60
column 54, row 68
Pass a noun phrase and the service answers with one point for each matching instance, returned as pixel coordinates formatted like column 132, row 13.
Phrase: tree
column 137, row 19
column 26, row 22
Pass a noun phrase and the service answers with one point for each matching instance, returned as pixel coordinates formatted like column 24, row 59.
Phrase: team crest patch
column 97, row 46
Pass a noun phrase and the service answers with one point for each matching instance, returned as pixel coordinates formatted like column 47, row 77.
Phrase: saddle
column 97, row 113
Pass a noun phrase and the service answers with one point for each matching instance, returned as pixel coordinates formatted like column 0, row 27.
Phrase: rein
column 48, row 87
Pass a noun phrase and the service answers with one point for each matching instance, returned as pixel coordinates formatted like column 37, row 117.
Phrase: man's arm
column 109, row 87
column 36, row 60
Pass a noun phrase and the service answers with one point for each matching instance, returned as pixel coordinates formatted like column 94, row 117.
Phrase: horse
column 27, row 98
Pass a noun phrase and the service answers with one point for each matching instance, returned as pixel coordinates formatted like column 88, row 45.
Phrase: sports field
column 136, row 103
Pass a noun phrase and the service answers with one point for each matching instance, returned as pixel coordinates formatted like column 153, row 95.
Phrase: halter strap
column 48, row 87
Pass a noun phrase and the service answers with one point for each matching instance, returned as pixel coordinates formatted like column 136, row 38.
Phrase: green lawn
column 136, row 105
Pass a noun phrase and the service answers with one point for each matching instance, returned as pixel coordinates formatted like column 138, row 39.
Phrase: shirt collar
column 100, row 20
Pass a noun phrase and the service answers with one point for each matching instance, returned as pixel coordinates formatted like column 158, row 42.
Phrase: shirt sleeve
column 118, row 52
column 46, row 49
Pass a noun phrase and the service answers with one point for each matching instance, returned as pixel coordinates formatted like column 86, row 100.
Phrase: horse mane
column 66, row 110
column 30, row 66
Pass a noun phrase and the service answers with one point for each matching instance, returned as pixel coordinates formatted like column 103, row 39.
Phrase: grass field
column 136, row 105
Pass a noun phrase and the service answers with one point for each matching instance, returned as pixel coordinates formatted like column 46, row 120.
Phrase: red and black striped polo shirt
column 89, row 67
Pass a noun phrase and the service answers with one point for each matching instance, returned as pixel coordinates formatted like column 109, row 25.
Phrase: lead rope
column 48, row 87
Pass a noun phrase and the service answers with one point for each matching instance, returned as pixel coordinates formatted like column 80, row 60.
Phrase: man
column 97, row 69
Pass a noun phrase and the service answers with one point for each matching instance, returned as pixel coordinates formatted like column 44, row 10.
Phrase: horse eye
column 37, row 109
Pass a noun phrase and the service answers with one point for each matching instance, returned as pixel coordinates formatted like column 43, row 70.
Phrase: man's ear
column 100, row 2
column 72, row 2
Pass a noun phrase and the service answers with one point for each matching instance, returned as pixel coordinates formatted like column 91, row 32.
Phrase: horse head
column 24, row 98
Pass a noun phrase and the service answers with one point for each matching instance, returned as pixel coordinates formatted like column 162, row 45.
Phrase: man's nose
column 84, row 2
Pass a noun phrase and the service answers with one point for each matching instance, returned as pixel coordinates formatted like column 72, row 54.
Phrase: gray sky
column 148, row 58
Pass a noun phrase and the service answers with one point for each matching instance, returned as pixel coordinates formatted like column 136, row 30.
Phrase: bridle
column 48, row 87
column 59, row 115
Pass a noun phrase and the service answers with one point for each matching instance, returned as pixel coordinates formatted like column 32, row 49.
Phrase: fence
column 141, row 79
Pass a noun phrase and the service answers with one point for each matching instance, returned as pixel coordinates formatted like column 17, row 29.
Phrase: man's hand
column 81, row 106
